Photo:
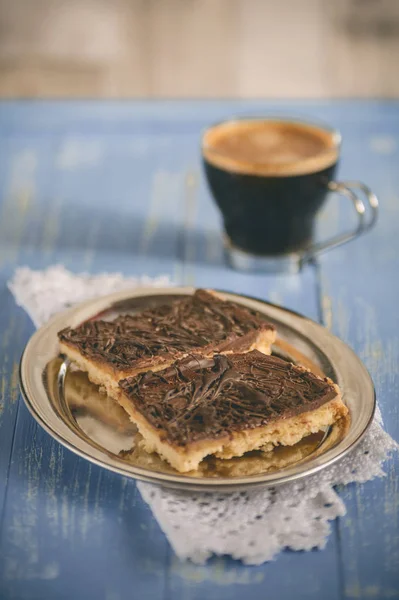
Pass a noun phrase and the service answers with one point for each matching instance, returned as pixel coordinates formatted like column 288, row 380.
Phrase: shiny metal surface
column 80, row 416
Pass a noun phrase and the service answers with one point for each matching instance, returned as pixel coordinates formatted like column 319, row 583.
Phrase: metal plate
column 86, row 421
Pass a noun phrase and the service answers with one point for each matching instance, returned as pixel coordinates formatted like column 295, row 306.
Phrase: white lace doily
column 251, row 526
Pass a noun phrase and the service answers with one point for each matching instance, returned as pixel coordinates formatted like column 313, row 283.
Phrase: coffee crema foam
column 273, row 148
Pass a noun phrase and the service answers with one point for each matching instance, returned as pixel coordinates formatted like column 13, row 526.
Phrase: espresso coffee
column 269, row 179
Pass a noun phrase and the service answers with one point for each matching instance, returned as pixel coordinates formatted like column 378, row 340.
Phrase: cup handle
column 345, row 188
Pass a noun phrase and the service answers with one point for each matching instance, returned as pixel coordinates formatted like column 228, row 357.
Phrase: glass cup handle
column 345, row 188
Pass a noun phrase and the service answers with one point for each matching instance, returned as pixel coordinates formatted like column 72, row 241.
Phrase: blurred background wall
column 199, row 48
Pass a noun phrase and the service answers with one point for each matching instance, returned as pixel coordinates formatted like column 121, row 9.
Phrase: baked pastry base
column 105, row 376
column 285, row 432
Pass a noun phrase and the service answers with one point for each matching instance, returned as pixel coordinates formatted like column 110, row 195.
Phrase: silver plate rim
column 338, row 354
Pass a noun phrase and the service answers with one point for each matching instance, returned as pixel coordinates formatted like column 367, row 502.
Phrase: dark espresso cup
column 269, row 178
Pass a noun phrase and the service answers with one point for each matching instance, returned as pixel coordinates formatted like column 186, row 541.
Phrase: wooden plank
column 17, row 184
column 293, row 575
column 51, row 495
column 358, row 284
column 72, row 529
column 13, row 326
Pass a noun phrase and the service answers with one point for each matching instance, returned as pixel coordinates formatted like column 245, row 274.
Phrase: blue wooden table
column 118, row 186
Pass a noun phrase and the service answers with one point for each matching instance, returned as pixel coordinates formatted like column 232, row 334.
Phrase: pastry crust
column 106, row 374
column 285, row 432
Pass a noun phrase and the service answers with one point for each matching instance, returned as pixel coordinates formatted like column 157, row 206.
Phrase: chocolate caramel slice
column 203, row 323
column 227, row 405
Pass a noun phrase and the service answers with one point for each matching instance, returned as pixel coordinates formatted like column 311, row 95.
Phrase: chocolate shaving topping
column 173, row 329
column 199, row 398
